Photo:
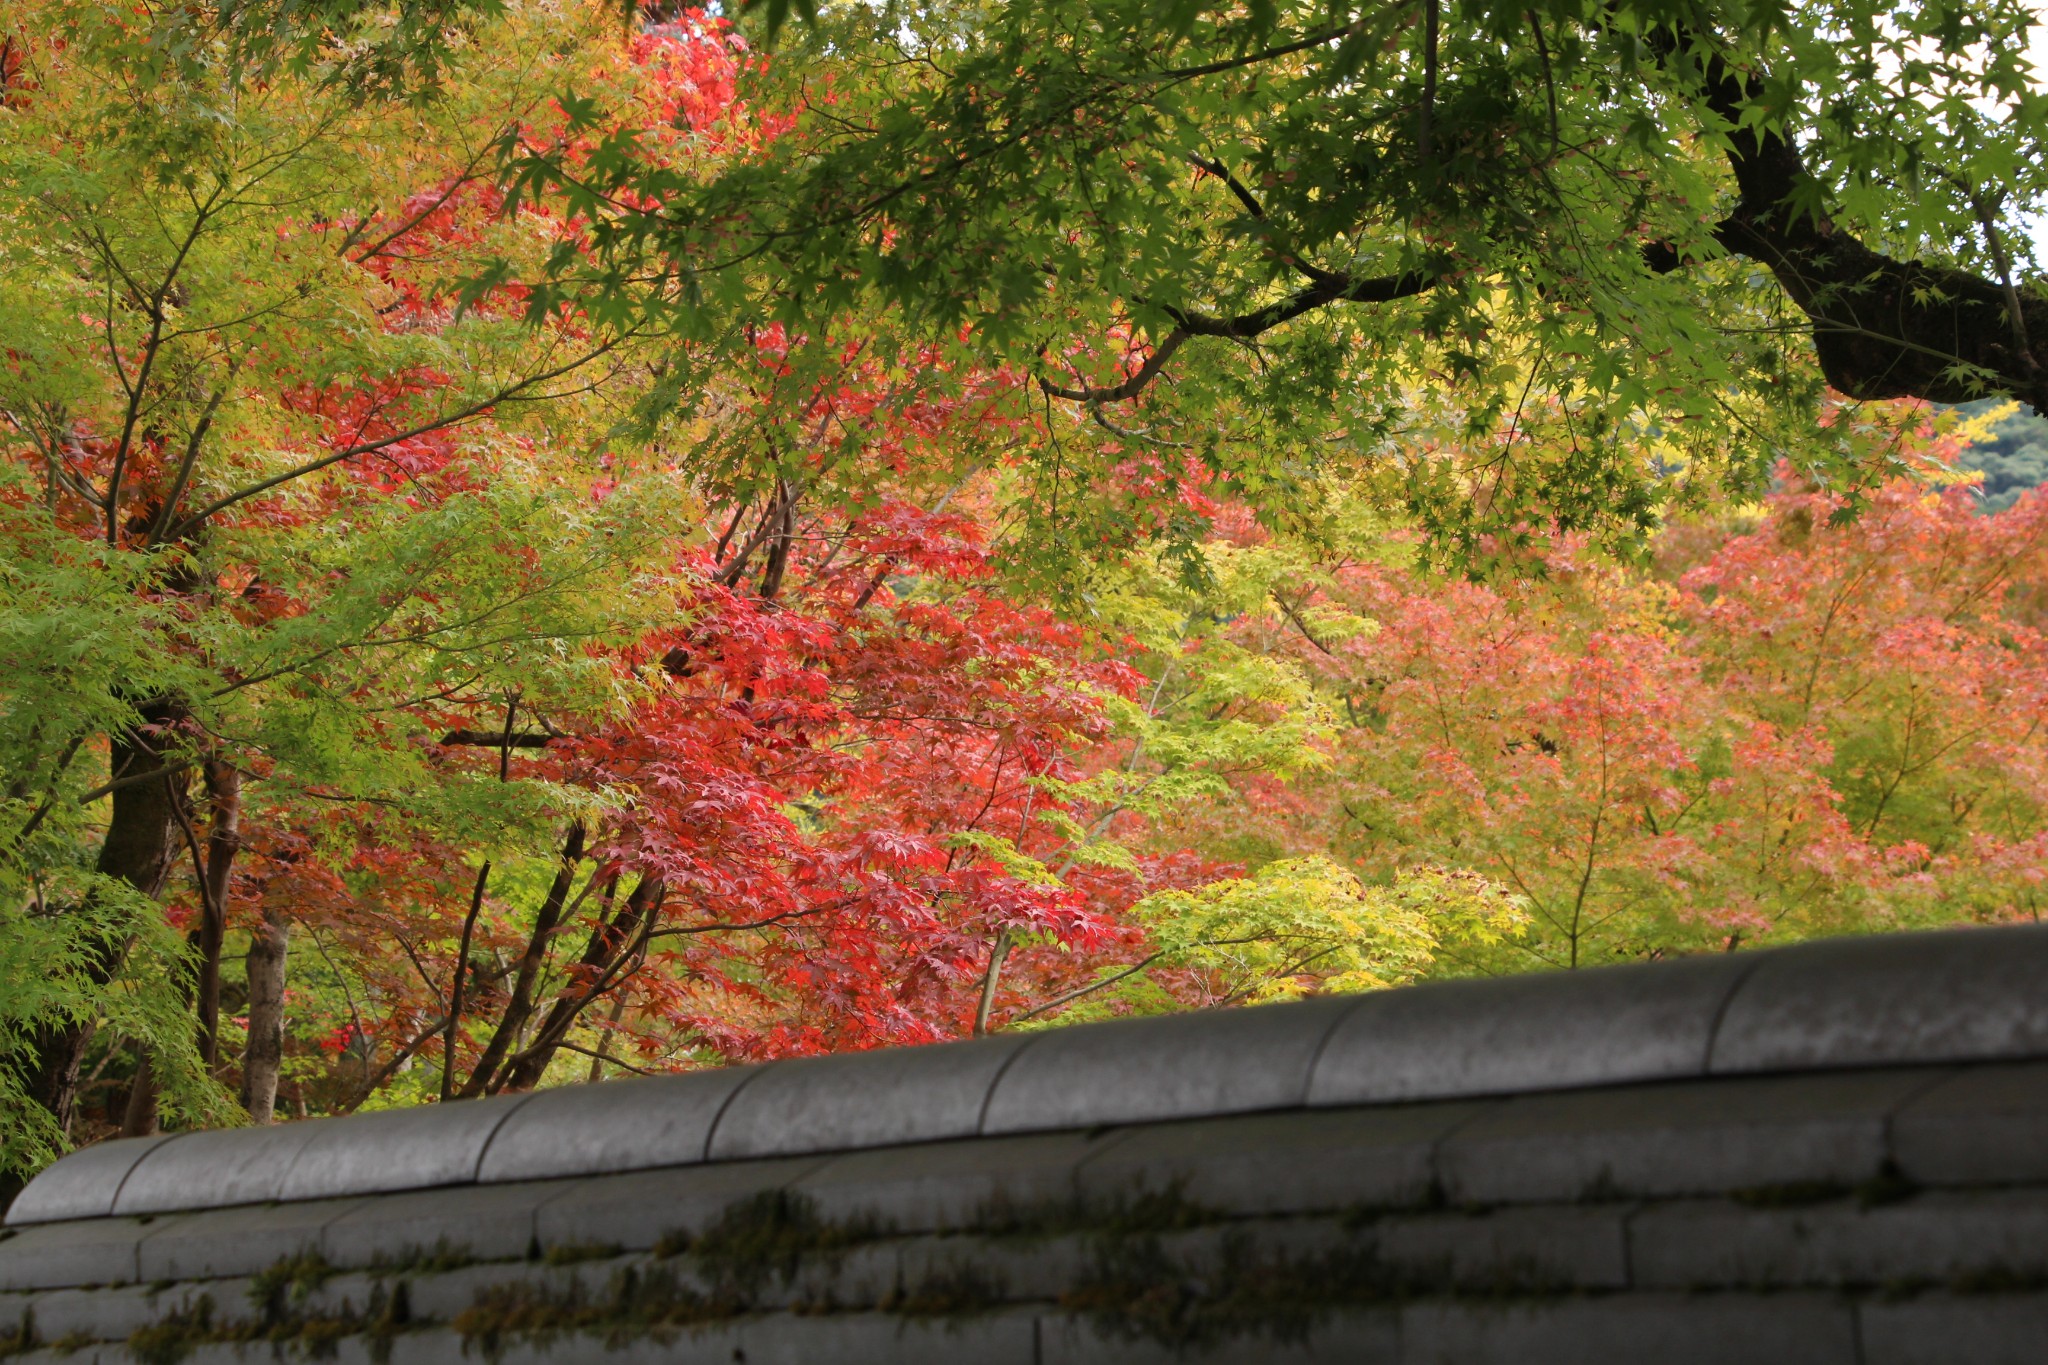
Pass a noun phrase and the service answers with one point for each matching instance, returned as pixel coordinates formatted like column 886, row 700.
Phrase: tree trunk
column 604, row 1044
column 986, row 1006
column 140, row 1120
column 609, row 941
column 224, row 799
column 778, row 551
column 142, row 837
column 265, row 1053
column 520, row 1006
column 140, row 846
column 223, row 842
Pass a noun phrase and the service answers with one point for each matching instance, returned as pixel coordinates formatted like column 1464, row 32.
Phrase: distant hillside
column 2014, row 458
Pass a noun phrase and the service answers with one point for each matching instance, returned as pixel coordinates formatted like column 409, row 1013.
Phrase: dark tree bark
column 223, row 842
column 461, row 981
column 142, row 837
column 520, row 1004
column 476, row 905
column 212, row 870
column 610, row 943
column 140, row 1119
column 778, row 550
column 140, row 847
column 491, row 739
column 1882, row 327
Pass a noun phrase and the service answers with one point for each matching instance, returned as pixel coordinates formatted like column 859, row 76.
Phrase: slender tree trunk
column 520, row 1005
column 265, row 1053
column 986, row 1006
column 140, row 1120
column 608, row 942
column 476, row 905
column 223, row 842
column 778, row 552
column 140, row 846
column 454, row 1024
column 224, row 798
column 604, row 1044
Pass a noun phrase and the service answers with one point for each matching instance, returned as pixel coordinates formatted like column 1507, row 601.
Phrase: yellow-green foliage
column 1306, row 925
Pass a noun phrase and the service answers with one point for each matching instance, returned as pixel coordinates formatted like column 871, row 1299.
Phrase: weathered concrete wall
column 1836, row 1153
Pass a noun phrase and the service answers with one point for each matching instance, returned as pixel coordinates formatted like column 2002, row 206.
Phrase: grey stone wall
column 1833, row 1153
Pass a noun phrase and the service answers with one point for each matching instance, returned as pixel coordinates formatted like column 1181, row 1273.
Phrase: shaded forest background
column 2012, row 455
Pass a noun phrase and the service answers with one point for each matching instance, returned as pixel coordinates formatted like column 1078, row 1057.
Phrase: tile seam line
column 350, row 1203
column 356, row 1204
column 571, row 1185
column 725, row 1107
column 1315, row 1060
column 995, row 1083
column 476, row 1169
column 1735, row 989
column 114, row 1204
column 1887, row 1131
column 1110, row 1141
column 1484, row 1108
column 1630, row 1280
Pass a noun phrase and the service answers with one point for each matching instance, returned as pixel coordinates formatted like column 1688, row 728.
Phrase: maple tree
column 489, row 736
column 1682, row 224
column 458, row 636
column 1803, row 723
column 252, row 451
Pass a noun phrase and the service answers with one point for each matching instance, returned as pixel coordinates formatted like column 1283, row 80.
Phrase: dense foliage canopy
column 534, row 544
column 1288, row 236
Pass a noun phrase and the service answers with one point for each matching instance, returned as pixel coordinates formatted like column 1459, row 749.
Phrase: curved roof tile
column 1945, row 996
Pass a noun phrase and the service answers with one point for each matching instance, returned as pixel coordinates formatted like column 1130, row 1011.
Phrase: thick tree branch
column 772, row 520
column 1882, row 327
